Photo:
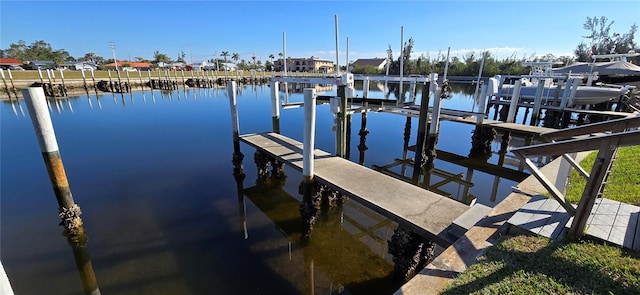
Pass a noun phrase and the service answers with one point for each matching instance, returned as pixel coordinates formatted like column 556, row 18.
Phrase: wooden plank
column 519, row 128
column 578, row 145
column 616, row 125
column 424, row 212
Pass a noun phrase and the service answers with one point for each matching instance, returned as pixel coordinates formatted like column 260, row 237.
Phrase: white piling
column 64, row 87
column 481, row 105
column 6, row 87
column 402, row 63
column 347, row 57
column 537, row 102
column 435, row 112
column 309, row 134
column 475, row 94
column 337, row 45
column 233, row 102
column 572, row 94
column 365, row 88
column 412, row 90
column 514, row 102
column 446, row 64
column 275, row 106
column 40, row 75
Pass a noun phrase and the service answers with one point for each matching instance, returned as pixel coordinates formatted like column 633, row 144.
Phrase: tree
column 603, row 41
column 269, row 64
column 38, row 50
column 181, row 57
column 225, row 54
column 235, row 57
column 160, row 57
column 89, row 56
column 254, row 60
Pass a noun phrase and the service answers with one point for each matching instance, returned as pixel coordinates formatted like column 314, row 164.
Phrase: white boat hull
column 585, row 95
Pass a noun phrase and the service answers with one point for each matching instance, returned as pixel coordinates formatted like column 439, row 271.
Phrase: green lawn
column 536, row 265
column 623, row 183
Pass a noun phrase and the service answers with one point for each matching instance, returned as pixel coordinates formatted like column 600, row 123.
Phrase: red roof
column 10, row 61
column 131, row 64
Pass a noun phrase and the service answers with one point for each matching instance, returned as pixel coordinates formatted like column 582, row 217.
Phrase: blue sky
column 202, row 28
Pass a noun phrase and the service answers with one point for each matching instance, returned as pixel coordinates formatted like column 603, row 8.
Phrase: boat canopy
column 603, row 68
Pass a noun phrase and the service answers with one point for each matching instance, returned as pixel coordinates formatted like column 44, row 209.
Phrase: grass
column 623, row 184
column 537, row 265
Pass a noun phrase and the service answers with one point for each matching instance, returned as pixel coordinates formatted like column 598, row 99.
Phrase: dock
column 610, row 221
column 428, row 214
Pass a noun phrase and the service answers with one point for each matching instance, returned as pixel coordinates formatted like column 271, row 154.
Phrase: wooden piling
column 69, row 211
column 514, row 102
column 53, row 93
column 434, row 128
column 93, row 78
column 231, row 92
column 422, row 127
column 13, row 87
column 40, row 75
column 341, row 122
column 275, row 106
column 535, row 115
column 36, row 104
column 365, row 88
column 64, row 87
column 128, row 80
column 84, row 81
column 308, row 144
column 140, row 77
column 6, row 86
column 110, row 81
column 184, row 86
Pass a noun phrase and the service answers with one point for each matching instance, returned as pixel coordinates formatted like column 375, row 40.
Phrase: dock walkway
column 426, row 213
column 610, row 221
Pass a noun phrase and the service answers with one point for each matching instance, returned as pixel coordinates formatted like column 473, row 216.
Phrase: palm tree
column 254, row 60
column 271, row 57
column 283, row 64
column 225, row 54
column 235, row 57
column 90, row 56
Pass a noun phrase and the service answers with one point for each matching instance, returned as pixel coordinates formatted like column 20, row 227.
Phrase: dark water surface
column 152, row 173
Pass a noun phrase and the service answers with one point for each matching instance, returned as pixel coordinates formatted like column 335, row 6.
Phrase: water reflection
column 176, row 221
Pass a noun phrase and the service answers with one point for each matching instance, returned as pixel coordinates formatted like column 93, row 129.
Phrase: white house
column 228, row 66
column 78, row 66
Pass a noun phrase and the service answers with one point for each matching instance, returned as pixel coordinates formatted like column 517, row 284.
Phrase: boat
column 615, row 71
column 542, row 73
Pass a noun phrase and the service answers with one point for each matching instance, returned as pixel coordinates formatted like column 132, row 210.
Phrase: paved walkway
column 610, row 221
column 456, row 258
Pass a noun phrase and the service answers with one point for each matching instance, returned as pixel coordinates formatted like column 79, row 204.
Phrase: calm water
column 152, row 173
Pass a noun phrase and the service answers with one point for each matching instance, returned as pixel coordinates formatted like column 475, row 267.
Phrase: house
column 311, row 64
column 378, row 63
column 6, row 63
column 42, row 64
column 78, row 66
column 142, row 66
column 228, row 66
